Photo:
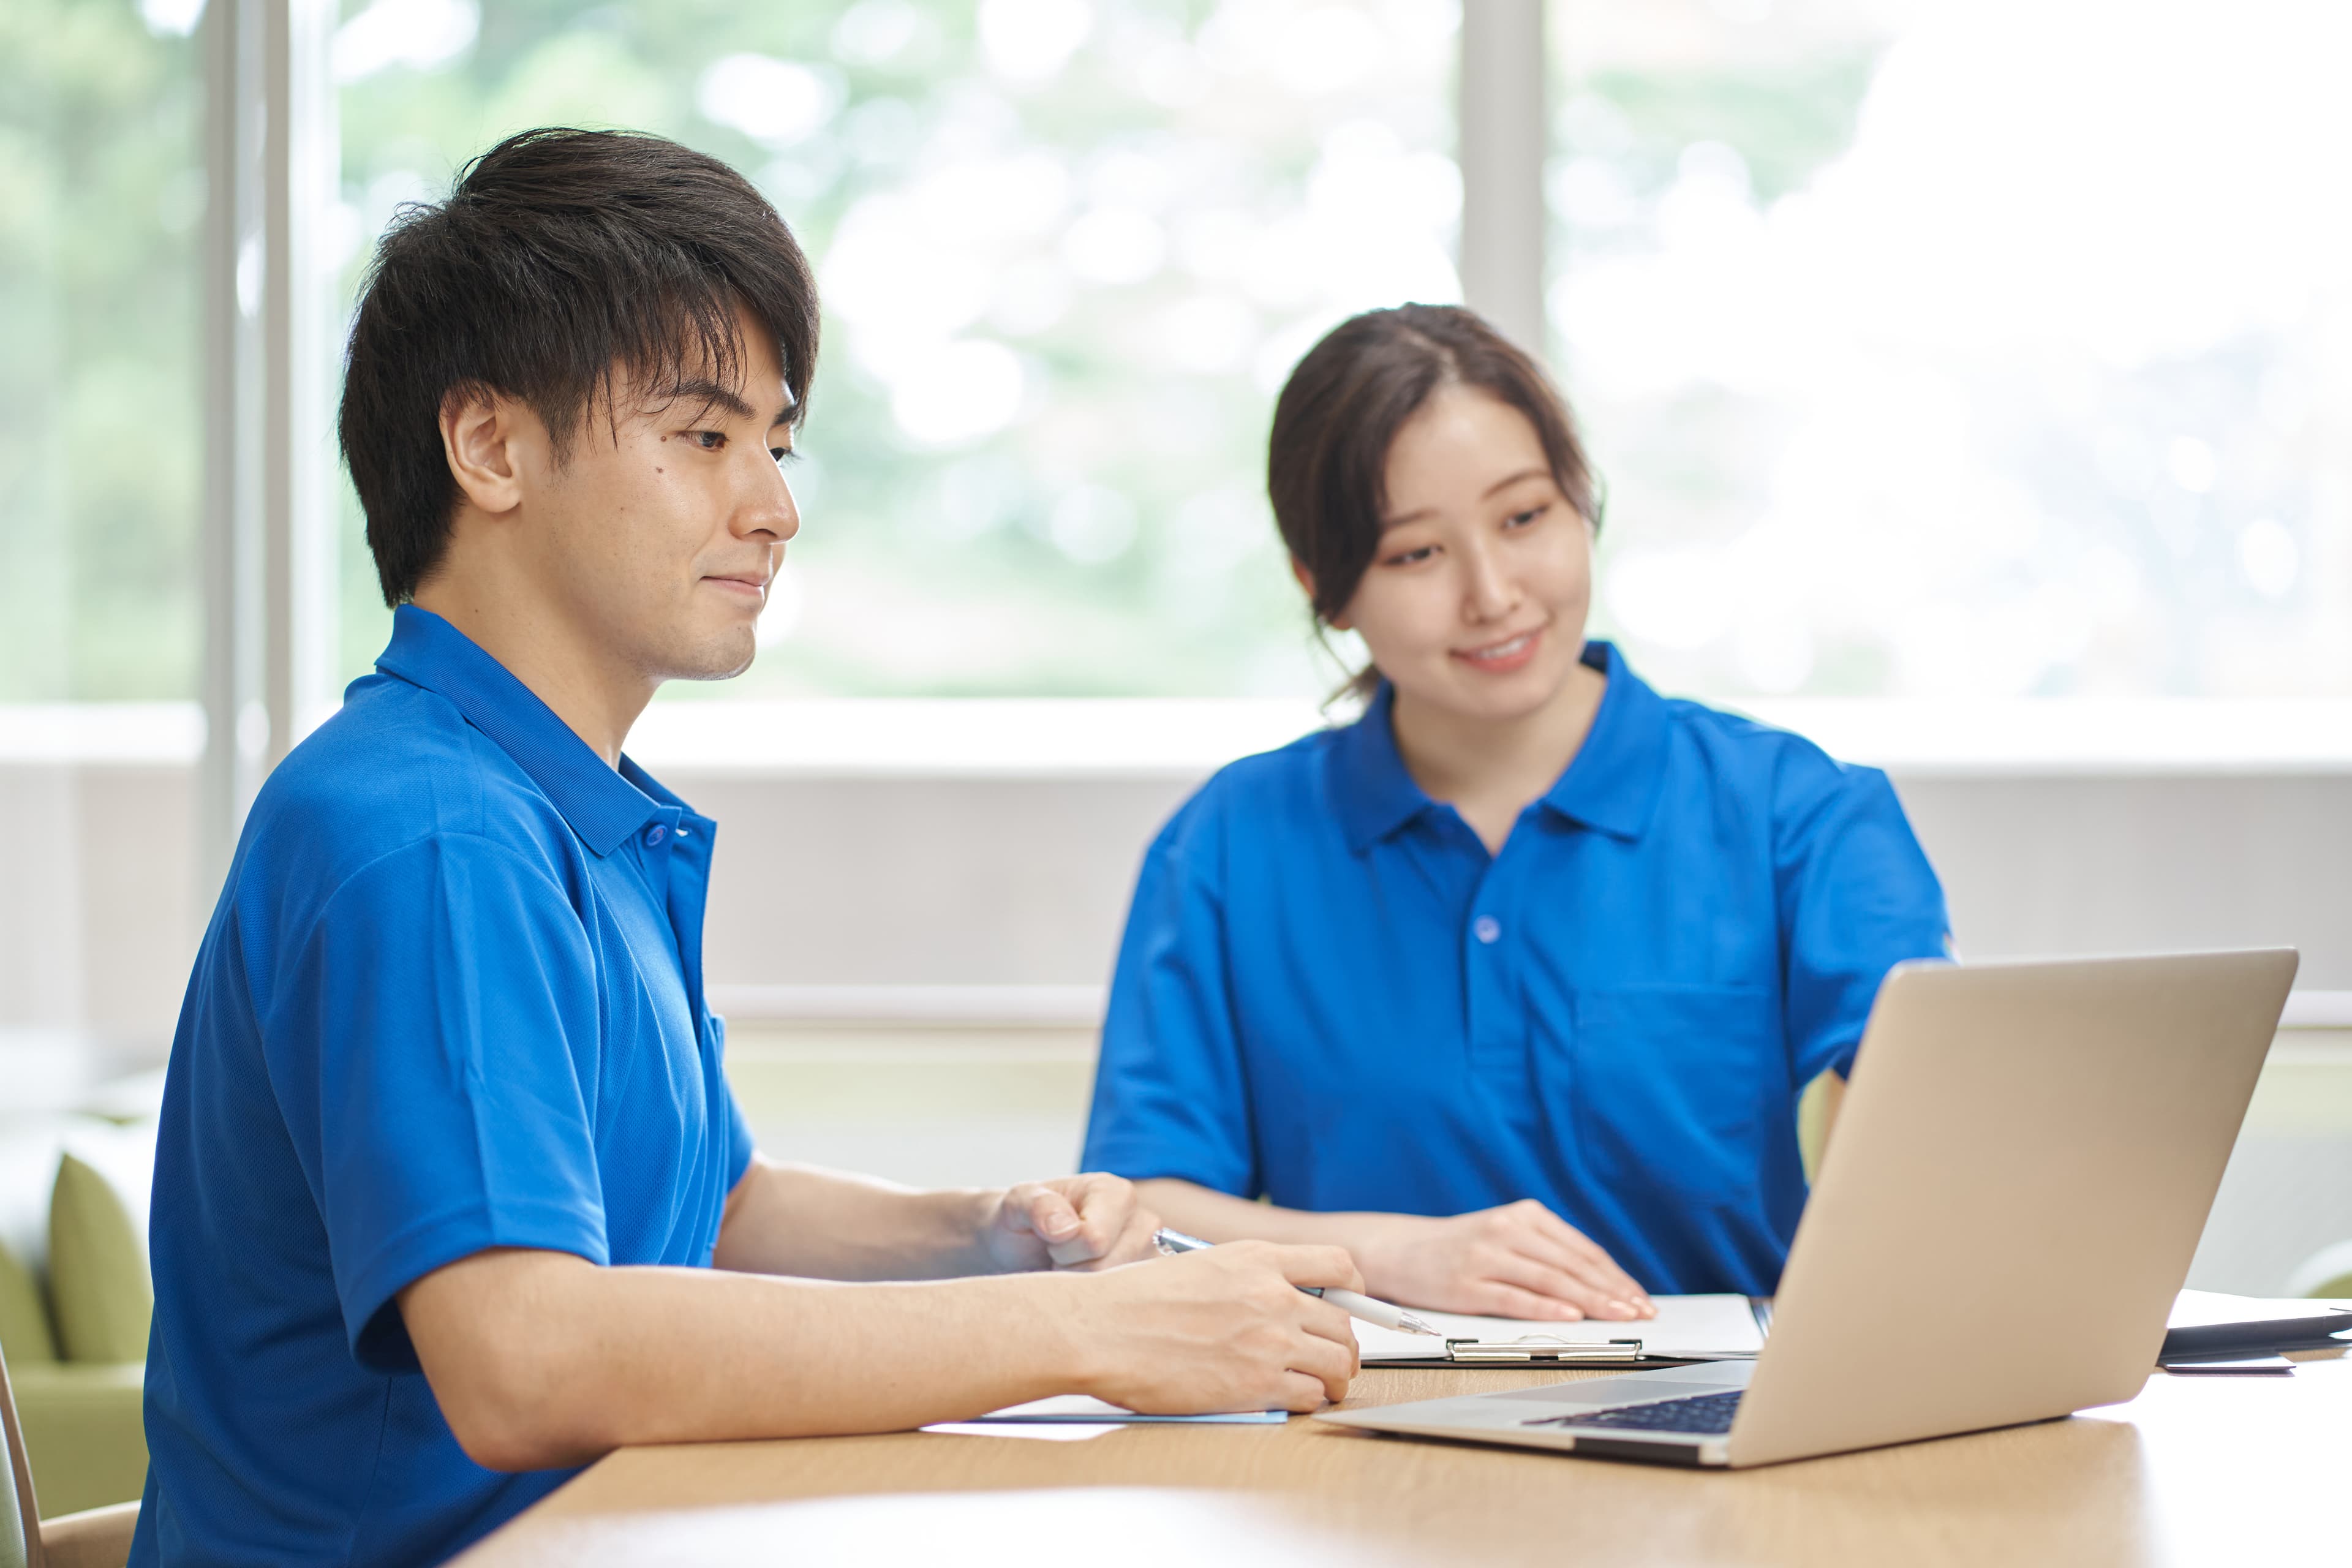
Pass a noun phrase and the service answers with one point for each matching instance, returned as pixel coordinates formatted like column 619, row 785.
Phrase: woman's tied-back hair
column 1327, row 459
column 569, row 270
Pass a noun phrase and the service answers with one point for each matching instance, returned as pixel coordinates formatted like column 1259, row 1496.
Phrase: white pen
column 1379, row 1315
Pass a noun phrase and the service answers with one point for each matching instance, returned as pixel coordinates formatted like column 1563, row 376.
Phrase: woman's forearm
column 1516, row 1260
column 1220, row 1216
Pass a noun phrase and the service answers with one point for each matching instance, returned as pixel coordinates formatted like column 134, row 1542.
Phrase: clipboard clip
column 1542, row 1350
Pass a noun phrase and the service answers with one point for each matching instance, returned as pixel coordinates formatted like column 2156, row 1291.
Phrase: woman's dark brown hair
column 1327, row 456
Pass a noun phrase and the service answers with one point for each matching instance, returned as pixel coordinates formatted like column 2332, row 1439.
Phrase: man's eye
column 783, row 455
column 708, row 440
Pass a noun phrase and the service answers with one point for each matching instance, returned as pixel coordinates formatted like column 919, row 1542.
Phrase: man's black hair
column 566, row 267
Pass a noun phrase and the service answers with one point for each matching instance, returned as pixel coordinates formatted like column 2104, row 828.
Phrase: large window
column 101, row 201
column 1069, row 250
column 1993, row 349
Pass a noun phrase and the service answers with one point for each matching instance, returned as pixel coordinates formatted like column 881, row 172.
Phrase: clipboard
column 1537, row 1351
column 1688, row 1330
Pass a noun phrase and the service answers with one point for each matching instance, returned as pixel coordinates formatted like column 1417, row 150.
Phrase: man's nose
column 771, row 508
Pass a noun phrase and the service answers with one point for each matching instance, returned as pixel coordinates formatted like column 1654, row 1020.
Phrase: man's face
column 661, row 531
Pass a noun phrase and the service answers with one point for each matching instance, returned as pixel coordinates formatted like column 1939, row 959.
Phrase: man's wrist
column 1067, row 1335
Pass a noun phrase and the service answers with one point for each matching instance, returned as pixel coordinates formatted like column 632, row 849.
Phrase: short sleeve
column 1857, row 897
column 740, row 1145
column 1169, row 1095
column 427, row 1046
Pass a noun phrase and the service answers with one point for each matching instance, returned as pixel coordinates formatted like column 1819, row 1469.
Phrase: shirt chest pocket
column 1669, row 1084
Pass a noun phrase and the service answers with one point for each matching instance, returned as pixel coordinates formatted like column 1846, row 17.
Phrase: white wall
column 1010, row 880
column 989, row 885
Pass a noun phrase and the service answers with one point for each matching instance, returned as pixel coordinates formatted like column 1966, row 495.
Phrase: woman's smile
column 1502, row 657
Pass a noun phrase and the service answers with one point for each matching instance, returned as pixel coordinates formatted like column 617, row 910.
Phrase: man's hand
column 1520, row 1260
column 1223, row 1328
column 1071, row 1222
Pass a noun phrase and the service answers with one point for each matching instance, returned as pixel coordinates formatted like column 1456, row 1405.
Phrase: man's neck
column 579, row 677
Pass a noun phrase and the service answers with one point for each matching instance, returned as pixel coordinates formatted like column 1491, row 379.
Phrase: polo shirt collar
column 604, row 808
column 1611, row 785
column 1370, row 790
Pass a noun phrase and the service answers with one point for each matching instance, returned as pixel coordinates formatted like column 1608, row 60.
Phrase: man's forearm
column 826, row 1225
column 687, row 1355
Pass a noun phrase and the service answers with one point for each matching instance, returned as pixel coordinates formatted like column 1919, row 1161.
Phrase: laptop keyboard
column 1708, row 1415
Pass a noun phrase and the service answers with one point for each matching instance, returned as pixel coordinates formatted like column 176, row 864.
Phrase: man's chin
column 721, row 657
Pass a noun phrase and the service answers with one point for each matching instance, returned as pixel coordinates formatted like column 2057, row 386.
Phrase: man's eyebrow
column 710, row 395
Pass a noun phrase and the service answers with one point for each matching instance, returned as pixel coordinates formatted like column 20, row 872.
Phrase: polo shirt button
column 1486, row 927
column 654, row 836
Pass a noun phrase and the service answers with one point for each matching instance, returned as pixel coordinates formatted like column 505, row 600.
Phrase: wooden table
column 2201, row 1469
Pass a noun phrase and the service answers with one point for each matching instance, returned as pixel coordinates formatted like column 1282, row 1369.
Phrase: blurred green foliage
column 1785, row 120
column 101, row 203
column 932, row 566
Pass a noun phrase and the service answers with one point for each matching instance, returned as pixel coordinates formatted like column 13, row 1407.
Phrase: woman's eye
column 1525, row 519
column 1413, row 557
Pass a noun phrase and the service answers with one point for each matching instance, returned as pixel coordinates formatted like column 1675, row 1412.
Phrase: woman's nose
column 1490, row 594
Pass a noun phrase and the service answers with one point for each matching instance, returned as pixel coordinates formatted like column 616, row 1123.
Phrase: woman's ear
column 479, row 431
column 1307, row 581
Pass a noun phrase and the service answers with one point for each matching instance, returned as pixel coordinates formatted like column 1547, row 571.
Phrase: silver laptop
column 2019, row 1173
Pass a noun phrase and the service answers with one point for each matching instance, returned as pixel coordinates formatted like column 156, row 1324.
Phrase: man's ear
column 1307, row 581
column 479, row 432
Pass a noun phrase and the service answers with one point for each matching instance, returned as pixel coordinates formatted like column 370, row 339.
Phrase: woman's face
column 1475, row 602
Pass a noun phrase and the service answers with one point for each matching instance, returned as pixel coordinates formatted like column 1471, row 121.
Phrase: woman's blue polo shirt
column 451, row 999
column 1331, row 994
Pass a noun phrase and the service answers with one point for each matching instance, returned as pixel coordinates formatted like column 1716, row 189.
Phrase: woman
column 1510, row 987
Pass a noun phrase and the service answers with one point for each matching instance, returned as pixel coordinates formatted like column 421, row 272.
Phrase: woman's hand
column 1091, row 1221
column 1520, row 1260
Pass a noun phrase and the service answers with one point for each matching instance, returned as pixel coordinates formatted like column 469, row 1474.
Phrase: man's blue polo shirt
column 1331, row 994
column 451, row 999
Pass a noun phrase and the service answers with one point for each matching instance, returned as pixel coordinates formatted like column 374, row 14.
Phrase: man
column 451, row 1195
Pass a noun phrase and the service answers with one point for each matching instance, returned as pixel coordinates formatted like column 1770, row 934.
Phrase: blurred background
column 1972, row 383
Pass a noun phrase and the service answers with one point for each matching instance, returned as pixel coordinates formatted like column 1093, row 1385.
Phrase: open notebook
column 1687, row 1328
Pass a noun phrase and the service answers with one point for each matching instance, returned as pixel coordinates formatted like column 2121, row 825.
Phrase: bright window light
column 1069, row 251
column 1995, row 349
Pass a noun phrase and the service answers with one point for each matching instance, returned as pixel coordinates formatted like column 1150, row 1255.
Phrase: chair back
column 20, row 1521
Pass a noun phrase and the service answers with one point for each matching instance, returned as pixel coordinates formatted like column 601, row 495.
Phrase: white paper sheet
column 2198, row 1308
column 1051, row 1431
column 1686, row 1328
column 1084, row 1407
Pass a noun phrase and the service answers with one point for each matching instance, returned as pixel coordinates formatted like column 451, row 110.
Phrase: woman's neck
column 1490, row 770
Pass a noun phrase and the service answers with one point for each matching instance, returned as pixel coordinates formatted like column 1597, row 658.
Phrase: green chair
column 2326, row 1274
column 74, row 1303
column 95, row 1538
column 1817, row 1107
